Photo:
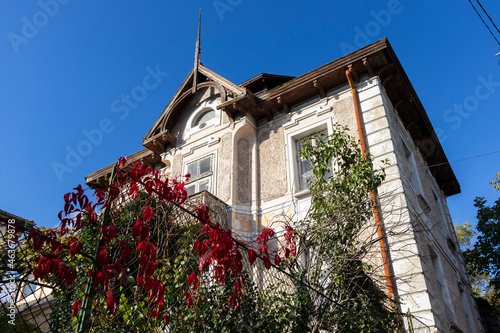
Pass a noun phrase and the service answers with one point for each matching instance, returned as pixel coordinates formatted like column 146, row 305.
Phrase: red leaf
column 232, row 301
column 122, row 161
column 189, row 298
column 103, row 256
column 148, row 186
column 201, row 247
column 100, row 276
column 140, row 230
column 123, row 277
column 277, row 260
column 126, row 253
column 148, row 214
column 287, row 252
column 140, row 281
column 109, row 233
column 193, row 279
column 166, row 319
column 75, row 246
column 70, row 276
column 134, row 190
column 252, row 256
column 111, row 302
column 76, row 307
column 62, row 271
column 203, row 262
column 267, row 262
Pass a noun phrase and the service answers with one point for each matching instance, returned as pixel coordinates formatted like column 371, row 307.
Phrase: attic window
column 203, row 118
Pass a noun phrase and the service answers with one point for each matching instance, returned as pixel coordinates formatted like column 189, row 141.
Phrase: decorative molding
column 210, row 142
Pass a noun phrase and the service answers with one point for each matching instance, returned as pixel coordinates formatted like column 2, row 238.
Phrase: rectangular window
column 201, row 172
column 304, row 167
column 30, row 288
column 442, row 286
column 440, row 213
column 412, row 167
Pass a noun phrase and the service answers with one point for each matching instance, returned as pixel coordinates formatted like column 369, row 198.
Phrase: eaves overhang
column 375, row 60
column 100, row 178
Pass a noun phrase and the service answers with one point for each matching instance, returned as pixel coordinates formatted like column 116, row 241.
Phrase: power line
column 466, row 158
column 484, row 10
column 483, row 21
column 459, row 160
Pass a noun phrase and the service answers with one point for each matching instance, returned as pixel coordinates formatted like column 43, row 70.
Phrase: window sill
column 302, row 193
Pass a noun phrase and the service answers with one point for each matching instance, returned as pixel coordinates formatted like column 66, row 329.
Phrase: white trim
column 205, row 106
column 213, row 177
column 291, row 138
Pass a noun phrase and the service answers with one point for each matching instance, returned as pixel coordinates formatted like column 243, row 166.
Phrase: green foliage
column 465, row 234
column 331, row 237
column 265, row 311
column 482, row 259
column 18, row 324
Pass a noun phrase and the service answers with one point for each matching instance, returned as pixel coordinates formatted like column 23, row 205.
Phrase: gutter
column 373, row 196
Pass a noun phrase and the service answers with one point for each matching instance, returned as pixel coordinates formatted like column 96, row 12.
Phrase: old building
column 20, row 294
column 239, row 142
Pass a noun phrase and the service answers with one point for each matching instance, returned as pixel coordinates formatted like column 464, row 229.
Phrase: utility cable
column 484, row 22
column 484, row 10
column 449, row 162
column 465, row 158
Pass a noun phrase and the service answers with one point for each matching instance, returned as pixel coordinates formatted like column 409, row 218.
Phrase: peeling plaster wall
column 177, row 166
column 243, row 171
column 273, row 180
column 224, row 167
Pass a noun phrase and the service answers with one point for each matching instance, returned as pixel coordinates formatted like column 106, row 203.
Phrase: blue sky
column 66, row 64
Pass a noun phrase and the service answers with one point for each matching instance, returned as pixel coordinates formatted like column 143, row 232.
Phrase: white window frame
column 209, row 105
column 443, row 223
column 291, row 141
column 414, row 176
column 210, row 176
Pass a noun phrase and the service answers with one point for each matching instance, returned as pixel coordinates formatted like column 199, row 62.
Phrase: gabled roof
column 377, row 59
column 199, row 77
column 263, row 82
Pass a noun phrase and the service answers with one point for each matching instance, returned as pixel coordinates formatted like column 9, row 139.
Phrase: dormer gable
column 205, row 89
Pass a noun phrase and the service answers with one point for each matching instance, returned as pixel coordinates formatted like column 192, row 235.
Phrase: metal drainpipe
column 373, row 195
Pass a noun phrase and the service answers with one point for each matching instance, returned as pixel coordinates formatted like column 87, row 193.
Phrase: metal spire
column 197, row 56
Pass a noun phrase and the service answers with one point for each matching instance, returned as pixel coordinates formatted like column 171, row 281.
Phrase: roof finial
column 197, row 56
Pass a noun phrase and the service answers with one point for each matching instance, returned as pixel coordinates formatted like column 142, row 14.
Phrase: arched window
column 203, row 118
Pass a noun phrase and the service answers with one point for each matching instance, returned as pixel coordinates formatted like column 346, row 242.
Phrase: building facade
column 240, row 143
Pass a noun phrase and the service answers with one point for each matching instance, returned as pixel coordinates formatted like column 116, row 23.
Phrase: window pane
column 305, row 173
column 204, row 117
column 204, row 185
column 191, row 188
column 30, row 289
column 205, row 165
column 193, row 169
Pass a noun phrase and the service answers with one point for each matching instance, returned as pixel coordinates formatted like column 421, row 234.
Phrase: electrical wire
column 449, row 162
column 483, row 21
column 466, row 158
column 484, row 10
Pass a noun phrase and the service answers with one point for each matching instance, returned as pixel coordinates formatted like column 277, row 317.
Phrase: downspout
column 373, row 196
